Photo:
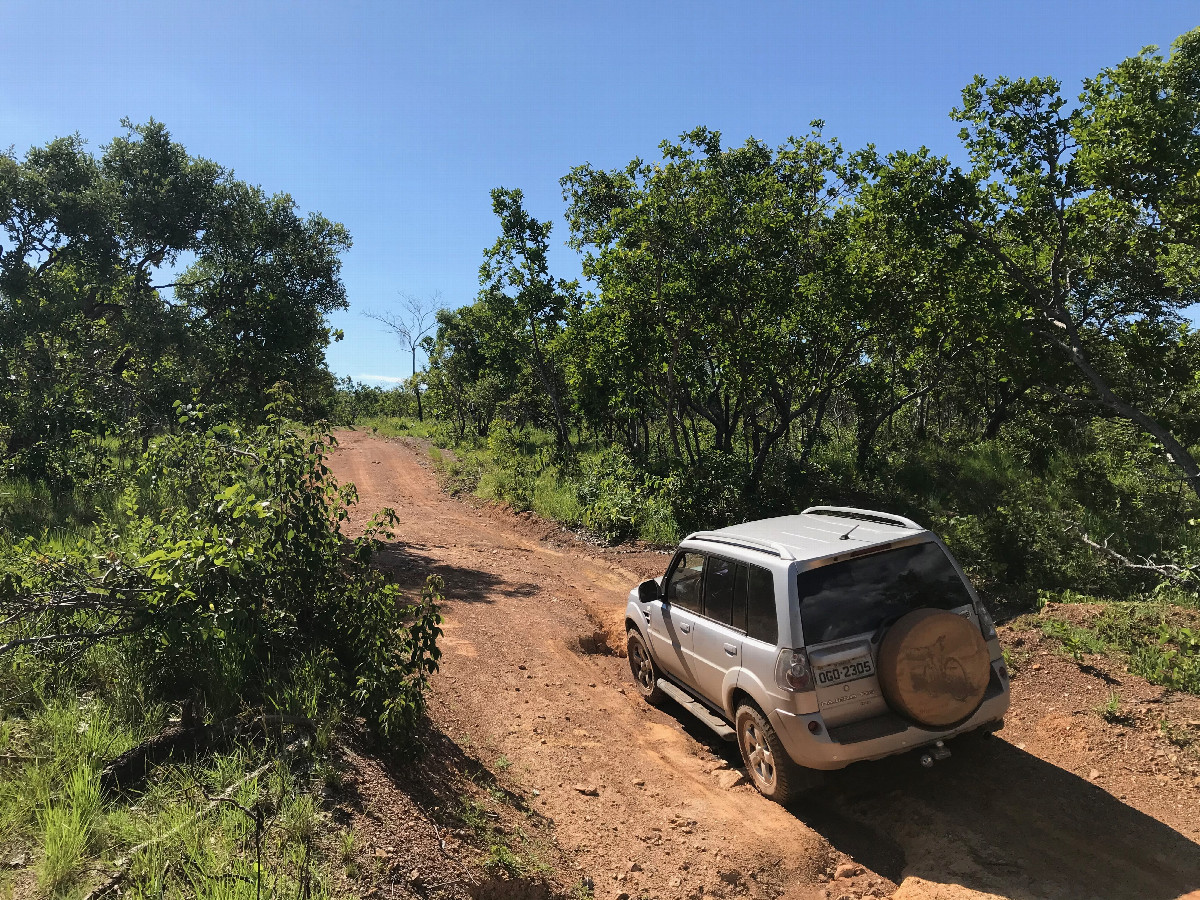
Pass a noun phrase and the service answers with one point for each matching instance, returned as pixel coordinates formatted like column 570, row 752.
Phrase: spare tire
column 934, row 667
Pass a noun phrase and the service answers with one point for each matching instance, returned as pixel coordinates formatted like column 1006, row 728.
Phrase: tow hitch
column 937, row 752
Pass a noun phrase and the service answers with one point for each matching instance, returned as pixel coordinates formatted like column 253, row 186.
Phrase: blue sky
column 398, row 118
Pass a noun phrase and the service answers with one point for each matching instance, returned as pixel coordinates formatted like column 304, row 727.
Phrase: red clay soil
column 648, row 803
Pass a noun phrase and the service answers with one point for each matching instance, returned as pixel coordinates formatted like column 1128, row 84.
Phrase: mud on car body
column 818, row 640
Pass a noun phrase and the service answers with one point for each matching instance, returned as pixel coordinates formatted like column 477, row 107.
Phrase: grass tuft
column 67, row 824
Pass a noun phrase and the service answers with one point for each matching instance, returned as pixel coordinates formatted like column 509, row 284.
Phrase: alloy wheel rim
column 759, row 760
column 644, row 671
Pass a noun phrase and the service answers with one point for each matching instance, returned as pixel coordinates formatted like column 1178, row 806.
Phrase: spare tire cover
column 934, row 667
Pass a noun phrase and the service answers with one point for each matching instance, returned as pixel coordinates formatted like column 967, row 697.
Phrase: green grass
column 1110, row 710
column 511, row 852
column 50, row 804
column 1076, row 641
column 390, row 426
column 1158, row 638
column 51, row 809
column 68, row 823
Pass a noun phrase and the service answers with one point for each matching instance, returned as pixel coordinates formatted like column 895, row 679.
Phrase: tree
column 526, row 302
column 412, row 324
column 736, row 288
column 472, row 369
column 93, row 341
column 1093, row 259
column 257, row 298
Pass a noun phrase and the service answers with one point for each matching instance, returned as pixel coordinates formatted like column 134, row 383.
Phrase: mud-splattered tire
column 768, row 765
column 641, row 664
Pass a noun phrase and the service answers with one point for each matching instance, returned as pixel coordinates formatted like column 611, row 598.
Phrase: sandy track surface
column 649, row 802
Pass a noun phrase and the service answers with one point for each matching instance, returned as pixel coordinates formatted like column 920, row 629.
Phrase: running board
column 697, row 709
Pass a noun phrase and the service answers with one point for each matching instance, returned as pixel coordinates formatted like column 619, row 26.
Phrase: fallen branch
column 1182, row 575
column 124, row 864
column 133, row 765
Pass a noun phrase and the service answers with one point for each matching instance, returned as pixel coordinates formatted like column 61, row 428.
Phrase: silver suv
column 818, row 640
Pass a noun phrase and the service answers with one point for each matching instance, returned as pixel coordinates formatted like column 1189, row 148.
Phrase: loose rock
column 730, row 778
column 847, row 870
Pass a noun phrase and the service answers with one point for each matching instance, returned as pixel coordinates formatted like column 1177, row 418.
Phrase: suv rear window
column 857, row 596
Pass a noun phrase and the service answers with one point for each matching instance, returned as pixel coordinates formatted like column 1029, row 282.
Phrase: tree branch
column 1182, row 575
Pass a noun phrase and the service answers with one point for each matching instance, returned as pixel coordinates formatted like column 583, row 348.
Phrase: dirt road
column 649, row 802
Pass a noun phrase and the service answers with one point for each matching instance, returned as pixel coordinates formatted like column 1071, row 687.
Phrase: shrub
column 226, row 578
column 620, row 501
column 514, row 474
column 712, row 493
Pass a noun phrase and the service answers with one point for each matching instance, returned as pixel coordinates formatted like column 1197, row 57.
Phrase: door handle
column 647, row 617
column 730, row 649
column 685, row 627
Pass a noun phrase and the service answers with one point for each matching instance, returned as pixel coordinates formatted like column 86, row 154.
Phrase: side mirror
column 648, row 591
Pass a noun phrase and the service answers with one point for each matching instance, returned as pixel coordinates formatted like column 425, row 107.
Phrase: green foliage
column 1076, row 640
column 620, row 502
column 225, row 577
column 998, row 350
column 1110, row 710
column 1159, row 647
column 93, row 346
column 460, row 473
column 264, row 842
column 354, row 402
column 513, row 477
column 1159, row 639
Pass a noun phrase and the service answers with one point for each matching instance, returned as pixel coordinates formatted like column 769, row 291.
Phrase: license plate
column 839, row 673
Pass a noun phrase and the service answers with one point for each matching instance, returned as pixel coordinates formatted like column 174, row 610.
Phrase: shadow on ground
column 410, row 567
column 995, row 818
column 992, row 818
column 414, row 807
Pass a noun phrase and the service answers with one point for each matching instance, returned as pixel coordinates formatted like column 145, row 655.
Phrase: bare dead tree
column 411, row 323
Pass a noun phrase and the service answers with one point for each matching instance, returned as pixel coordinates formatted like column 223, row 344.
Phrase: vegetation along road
column 1061, row 802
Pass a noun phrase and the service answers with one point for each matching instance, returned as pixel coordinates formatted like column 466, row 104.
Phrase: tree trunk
column 866, row 436
column 671, row 401
column 814, row 433
column 1107, row 398
column 416, row 385
column 1001, row 413
column 560, row 428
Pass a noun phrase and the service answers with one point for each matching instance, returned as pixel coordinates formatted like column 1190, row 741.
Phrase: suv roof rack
column 850, row 512
column 737, row 540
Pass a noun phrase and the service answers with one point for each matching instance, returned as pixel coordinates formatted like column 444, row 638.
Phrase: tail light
column 792, row 671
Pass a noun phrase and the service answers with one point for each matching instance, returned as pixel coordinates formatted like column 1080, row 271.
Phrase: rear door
column 847, row 607
column 717, row 642
column 673, row 621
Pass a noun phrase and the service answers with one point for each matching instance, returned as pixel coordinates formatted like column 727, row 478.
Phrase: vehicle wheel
column 645, row 674
column 770, row 768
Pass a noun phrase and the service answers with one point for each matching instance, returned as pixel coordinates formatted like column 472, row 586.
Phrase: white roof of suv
column 816, row 532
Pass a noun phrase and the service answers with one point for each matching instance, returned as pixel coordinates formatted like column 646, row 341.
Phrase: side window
column 683, row 590
column 737, row 617
column 761, row 623
column 718, row 589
